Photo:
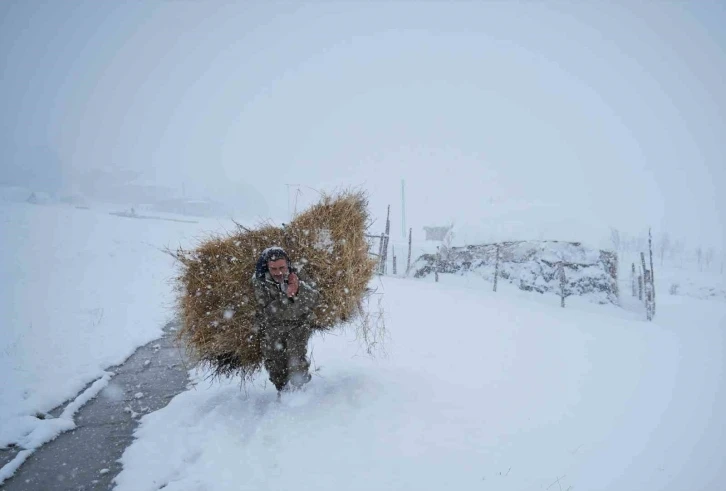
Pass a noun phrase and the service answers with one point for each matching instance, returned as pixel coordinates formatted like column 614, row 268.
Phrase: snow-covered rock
column 531, row 265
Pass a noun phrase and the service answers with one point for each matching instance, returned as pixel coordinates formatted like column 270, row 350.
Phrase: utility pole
column 298, row 193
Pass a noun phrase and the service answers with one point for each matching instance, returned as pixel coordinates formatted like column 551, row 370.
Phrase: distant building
column 437, row 233
column 39, row 198
column 203, row 208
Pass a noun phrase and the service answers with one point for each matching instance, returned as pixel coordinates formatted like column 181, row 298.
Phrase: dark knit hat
column 271, row 254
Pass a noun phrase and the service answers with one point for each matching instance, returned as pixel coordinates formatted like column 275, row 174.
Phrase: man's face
column 278, row 269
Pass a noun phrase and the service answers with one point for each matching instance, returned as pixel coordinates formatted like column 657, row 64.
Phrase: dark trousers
column 285, row 357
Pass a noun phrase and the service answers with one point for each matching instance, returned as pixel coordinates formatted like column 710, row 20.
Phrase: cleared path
column 86, row 458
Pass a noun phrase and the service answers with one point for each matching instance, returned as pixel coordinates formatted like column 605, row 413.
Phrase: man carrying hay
column 284, row 317
column 236, row 327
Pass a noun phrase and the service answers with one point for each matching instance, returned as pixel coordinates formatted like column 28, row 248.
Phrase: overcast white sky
column 617, row 112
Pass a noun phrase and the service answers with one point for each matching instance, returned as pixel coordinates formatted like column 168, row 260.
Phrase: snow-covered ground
column 477, row 390
column 81, row 290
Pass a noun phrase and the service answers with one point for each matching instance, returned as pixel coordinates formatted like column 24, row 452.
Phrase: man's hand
column 293, row 284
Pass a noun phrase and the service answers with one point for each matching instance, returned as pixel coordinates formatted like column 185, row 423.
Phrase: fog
column 610, row 114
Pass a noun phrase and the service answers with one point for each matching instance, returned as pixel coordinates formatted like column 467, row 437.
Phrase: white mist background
column 605, row 115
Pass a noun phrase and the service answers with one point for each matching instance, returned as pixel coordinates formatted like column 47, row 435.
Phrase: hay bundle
column 216, row 299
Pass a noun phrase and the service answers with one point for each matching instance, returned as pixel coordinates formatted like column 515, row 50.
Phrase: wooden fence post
column 648, row 289
column 385, row 241
column 408, row 262
column 652, row 273
column 649, row 308
column 563, row 284
column 496, row 269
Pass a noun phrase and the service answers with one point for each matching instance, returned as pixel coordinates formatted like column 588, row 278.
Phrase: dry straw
column 216, row 300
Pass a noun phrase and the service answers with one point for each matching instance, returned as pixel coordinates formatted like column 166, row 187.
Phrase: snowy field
column 81, row 290
column 476, row 390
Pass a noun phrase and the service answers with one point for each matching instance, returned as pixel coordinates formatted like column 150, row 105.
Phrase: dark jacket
column 276, row 311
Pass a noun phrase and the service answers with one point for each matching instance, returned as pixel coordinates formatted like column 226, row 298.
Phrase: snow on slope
column 81, row 290
column 479, row 391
